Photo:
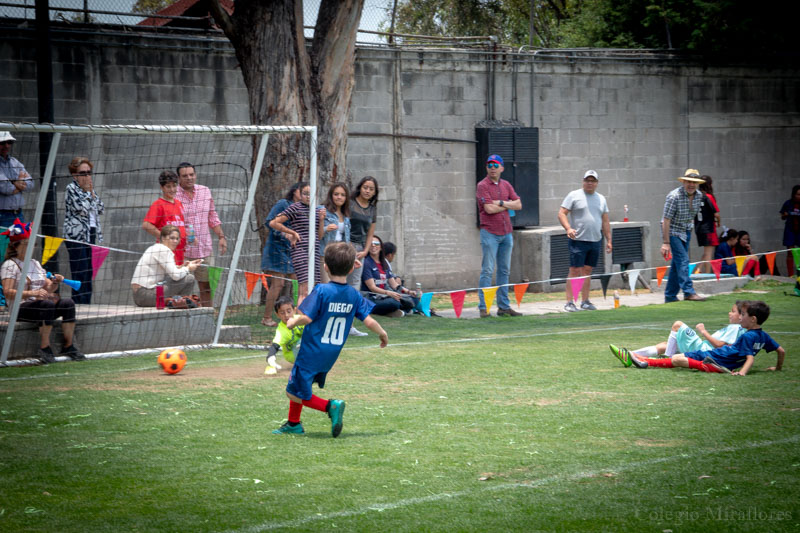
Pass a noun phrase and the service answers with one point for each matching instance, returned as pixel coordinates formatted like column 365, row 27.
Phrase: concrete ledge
column 107, row 328
column 234, row 335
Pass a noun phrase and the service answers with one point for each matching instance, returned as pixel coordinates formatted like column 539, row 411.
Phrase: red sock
column 665, row 362
column 697, row 365
column 294, row 412
column 317, row 403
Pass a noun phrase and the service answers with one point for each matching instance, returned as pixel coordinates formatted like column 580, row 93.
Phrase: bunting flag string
column 425, row 302
column 99, row 255
column 488, row 296
column 633, row 277
column 51, row 245
column 251, row 280
column 660, row 272
column 577, row 285
column 458, row 301
column 214, row 274
column 519, row 291
column 771, row 262
column 716, row 266
column 740, row 259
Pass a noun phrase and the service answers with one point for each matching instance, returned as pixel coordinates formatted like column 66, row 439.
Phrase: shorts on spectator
column 707, row 239
column 584, row 253
column 201, row 273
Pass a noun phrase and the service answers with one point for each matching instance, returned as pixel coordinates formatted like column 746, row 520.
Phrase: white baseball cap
column 6, row 136
column 590, row 174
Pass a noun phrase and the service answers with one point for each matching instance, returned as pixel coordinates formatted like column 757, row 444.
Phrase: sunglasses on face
column 7, row 142
column 85, row 173
column 493, row 165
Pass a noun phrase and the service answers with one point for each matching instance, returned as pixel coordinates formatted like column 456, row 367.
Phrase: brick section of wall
column 639, row 123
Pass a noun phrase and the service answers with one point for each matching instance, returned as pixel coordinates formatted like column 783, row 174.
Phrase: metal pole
column 312, row 212
column 237, row 250
column 37, row 219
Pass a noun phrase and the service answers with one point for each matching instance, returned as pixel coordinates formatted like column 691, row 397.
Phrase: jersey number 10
column 334, row 331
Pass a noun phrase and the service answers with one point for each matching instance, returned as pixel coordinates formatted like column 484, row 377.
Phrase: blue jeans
column 679, row 278
column 496, row 252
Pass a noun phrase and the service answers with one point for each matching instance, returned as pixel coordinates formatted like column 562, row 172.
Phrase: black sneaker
column 73, row 353
column 46, row 355
column 721, row 369
column 508, row 312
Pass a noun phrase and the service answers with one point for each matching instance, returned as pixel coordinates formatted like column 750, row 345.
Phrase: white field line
column 490, row 487
column 239, row 346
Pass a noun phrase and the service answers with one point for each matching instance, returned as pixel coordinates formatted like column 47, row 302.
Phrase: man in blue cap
column 496, row 197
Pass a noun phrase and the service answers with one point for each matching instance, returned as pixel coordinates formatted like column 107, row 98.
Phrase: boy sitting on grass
column 328, row 315
column 683, row 339
column 286, row 340
column 740, row 354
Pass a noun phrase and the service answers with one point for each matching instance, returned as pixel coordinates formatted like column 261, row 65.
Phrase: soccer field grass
column 496, row 424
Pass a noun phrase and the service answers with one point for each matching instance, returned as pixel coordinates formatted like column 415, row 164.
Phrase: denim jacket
column 330, row 236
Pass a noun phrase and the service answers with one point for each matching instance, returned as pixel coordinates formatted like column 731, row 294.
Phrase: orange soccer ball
column 172, row 360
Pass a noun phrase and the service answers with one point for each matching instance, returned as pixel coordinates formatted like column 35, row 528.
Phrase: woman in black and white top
column 82, row 223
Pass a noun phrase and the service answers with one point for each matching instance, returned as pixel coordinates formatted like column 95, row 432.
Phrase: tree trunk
column 289, row 83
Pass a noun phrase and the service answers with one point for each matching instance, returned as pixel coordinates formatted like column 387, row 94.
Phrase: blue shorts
column 300, row 382
column 584, row 253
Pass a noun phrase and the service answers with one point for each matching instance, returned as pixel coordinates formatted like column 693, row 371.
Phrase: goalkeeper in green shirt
column 286, row 340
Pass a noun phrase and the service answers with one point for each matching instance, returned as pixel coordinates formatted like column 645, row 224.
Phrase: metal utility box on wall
column 519, row 148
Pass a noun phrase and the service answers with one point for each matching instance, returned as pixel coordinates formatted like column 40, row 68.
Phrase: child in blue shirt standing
column 327, row 314
column 740, row 354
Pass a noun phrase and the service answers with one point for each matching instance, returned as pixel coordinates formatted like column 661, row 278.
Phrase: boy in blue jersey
column 327, row 314
column 683, row 339
column 740, row 354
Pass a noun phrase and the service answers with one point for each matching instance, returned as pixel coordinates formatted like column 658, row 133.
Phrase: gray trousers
column 144, row 297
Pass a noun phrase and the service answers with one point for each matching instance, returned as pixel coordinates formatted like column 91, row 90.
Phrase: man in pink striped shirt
column 200, row 215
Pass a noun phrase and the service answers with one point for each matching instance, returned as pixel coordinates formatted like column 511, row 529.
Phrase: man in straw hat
column 680, row 209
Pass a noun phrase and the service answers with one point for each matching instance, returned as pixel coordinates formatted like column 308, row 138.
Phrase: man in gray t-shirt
column 584, row 216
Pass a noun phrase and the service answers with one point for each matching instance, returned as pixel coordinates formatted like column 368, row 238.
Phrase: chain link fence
column 375, row 17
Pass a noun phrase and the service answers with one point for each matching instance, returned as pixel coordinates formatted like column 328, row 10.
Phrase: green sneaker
column 286, row 428
column 335, row 412
column 622, row 354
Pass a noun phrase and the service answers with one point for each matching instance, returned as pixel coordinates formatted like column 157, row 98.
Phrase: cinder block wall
column 639, row 121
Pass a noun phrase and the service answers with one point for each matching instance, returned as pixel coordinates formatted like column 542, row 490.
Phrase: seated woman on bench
column 157, row 266
column 40, row 300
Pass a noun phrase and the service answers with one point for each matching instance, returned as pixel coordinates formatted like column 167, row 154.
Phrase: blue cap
column 494, row 158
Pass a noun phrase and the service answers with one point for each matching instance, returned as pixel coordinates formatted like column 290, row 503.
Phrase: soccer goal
column 125, row 165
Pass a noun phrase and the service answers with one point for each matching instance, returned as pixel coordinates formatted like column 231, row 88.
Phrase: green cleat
column 335, row 412
column 622, row 354
column 286, row 428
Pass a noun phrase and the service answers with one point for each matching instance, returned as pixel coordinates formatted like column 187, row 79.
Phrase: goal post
column 129, row 164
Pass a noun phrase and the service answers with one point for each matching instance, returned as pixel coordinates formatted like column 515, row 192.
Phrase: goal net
column 88, row 227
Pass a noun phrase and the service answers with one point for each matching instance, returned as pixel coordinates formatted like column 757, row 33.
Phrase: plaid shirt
column 680, row 212
column 201, row 213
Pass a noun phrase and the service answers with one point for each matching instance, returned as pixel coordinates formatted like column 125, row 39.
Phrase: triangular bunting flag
column 425, row 303
column 692, row 266
column 577, row 285
column 214, row 273
column 660, row 271
column 771, row 262
column 796, row 255
column 264, row 281
column 488, row 296
column 251, row 280
column 295, row 292
column 519, row 291
column 99, row 255
column 716, row 266
column 604, row 279
column 51, row 245
column 458, row 301
column 633, row 277
column 740, row 259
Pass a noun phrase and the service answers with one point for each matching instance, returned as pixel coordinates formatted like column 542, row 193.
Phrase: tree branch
column 223, row 19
